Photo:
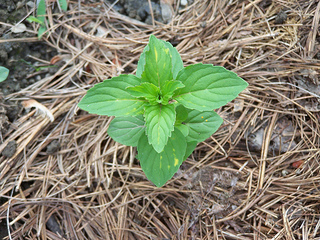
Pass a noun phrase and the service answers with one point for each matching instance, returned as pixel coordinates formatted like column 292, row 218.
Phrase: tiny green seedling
column 4, row 72
column 41, row 15
column 166, row 109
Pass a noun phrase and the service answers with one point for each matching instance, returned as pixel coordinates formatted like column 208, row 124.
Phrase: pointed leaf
column 208, row 87
column 127, row 130
column 147, row 90
column 159, row 68
column 160, row 167
column 111, row 98
column 160, row 123
column 142, row 62
column 168, row 89
column 202, row 125
column 176, row 60
column 34, row 19
column 41, row 10
column 177, row 63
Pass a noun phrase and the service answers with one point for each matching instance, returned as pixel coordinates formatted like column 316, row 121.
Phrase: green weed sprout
column 4, row 72
column 164, row 110
column 41, row 15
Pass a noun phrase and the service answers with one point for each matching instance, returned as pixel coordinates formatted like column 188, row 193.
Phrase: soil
column 140, row 10
column 26, row 62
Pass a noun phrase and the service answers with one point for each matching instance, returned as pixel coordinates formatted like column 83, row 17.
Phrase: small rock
column 183, row 2
column 10, row 149
column 53, row 147
column 280, row 18
column 284, row 172
column 203, row 24
column 19, row 28
column 166, row 12
column 30, row 4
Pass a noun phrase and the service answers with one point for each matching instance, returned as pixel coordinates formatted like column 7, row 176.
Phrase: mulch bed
column 257, row 177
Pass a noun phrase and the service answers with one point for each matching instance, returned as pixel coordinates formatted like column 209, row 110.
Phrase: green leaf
column 34, row 19
column 208, row 87
column 176, row 60
column 202, row 125
column 177, row 63
column 182, row 114
column 63, row 4
column 160, row 167
column 41, row 16
column 111, row 98
column 158, row 68
column 168, row 89
column 190, row 148
column 4, row 72
column 147, row 90
column 142, row 62
column 41, row 10
column 160, row 123
column 183, row 129
column 41, row 31
column 127, row 130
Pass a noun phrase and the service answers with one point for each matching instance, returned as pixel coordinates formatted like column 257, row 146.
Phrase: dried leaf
column 40, row 109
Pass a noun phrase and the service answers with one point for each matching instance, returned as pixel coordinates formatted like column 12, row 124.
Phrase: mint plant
column 166, row 109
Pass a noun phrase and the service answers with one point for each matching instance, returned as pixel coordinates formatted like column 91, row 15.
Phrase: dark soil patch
column 25, row 60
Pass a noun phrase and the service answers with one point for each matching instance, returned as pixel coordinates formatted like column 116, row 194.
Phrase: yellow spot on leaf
column 201, row 116
column 206, row 120
column 169, row 167
column 176, row 161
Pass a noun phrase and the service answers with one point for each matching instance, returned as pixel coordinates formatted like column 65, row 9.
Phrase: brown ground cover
column 257, row 177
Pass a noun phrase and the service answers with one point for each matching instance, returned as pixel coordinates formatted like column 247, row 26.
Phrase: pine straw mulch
column 257, row 177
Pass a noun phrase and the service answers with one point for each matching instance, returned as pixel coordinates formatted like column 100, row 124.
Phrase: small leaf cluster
column 41, row 15
column 165, row 109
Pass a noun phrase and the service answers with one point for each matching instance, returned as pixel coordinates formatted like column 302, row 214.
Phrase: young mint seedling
column 41, row 15
column 166, row 109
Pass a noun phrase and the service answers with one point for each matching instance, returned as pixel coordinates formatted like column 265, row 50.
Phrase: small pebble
column 53, row 147
column 280, row 18
column 10, row 149
column 203, row 24
column 30, row 4
column 284, row 172
column 183, row 2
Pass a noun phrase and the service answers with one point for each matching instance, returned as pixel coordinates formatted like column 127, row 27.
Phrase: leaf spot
column 176, row 161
